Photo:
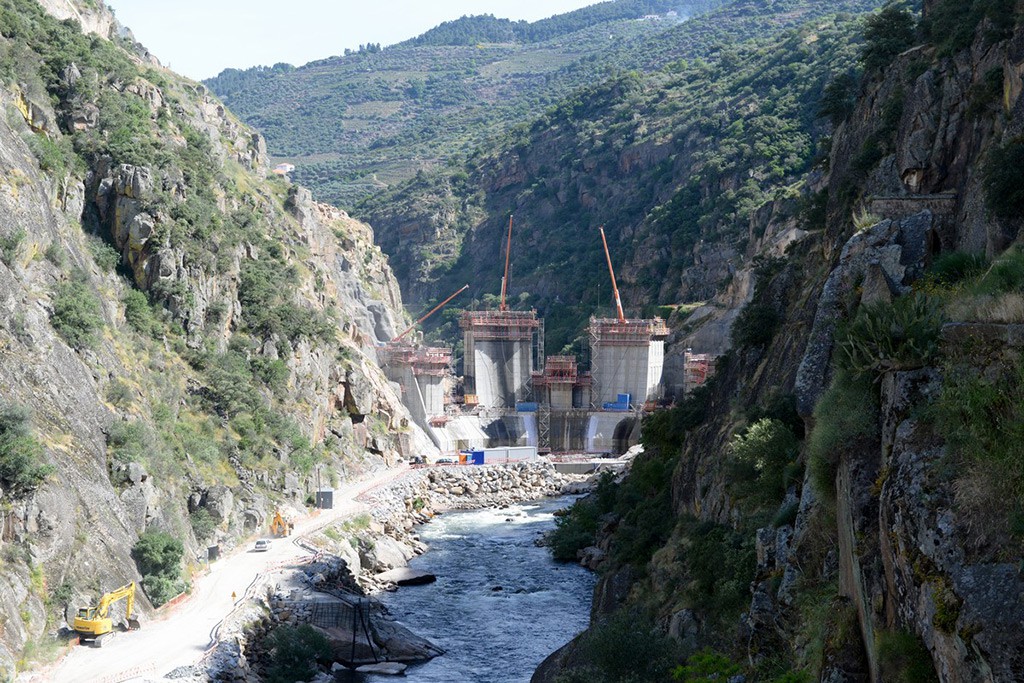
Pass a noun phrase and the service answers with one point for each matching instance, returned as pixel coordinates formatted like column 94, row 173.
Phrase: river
column 500, row 604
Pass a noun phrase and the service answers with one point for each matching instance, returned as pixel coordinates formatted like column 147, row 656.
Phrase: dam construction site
column 514, row 402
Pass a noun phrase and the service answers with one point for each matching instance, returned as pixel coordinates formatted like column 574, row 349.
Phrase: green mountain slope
column 673, row 164
column 186, row 344
column 357, row 123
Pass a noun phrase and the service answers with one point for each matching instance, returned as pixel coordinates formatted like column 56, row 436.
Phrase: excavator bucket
column 133, row 624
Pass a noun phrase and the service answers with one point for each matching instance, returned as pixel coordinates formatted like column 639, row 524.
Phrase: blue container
column 624, row 398
column 476, row 457
column 528, row 407
column 617, row 407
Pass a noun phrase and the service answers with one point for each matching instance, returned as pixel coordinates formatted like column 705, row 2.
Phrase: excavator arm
column 93, row 622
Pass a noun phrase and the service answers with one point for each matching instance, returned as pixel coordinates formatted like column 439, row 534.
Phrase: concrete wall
column 612, row 432
column 500, row 372
column 568, row 432
column 423, row 395
column 560, row 396
column 635, row 370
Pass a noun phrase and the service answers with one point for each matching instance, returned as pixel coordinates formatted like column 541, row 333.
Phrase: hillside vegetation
column 183, row 340
column 672, row 163
column 358, row 123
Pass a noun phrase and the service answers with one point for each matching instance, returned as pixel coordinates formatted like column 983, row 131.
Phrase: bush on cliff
column 577, row 528
column 76, row 313
column 845, row 419
column 20, row 453
column 1003, row 179
column 762, row 463
column 625, row 647
column 885, row 336
column 886, row 34
column 158, row 555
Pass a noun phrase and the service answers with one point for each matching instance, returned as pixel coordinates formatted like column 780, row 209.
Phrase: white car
column 262, row 545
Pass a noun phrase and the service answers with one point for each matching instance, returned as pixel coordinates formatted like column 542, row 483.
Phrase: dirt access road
column 182, row 637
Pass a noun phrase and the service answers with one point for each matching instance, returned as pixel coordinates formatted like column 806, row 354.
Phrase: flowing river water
column 500, row 604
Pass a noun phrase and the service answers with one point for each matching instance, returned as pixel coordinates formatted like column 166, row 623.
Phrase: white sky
column 199, row 38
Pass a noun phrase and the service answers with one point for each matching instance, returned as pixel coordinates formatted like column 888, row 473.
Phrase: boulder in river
column 405, row 576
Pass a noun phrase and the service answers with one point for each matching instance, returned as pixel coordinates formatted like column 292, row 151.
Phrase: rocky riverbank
column 356, row 558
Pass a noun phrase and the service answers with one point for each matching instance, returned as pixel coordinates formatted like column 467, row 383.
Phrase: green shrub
column 951, row 24
column 720, row 563
column 161, row 588
column 295, row 652
column 1003, row 179
column 10, row 245
column 55, row 254
column 158, row 556
column 755, row 326
column 759, row 460
column 119, row 393
column 838, row 99
column 20, row 453
column 139, row 314
column 987, row 94
column 897, row 336
column 56, row 156
column 886, row 34
column 229, row 385
column 954, row 267
column 76, row 314
column 664, row 430
column 981, row 416
column 1006, row 274
column 706, row 666
column 129, row 441
column 105, row 256
column 844, row 419
column 903, row 658
column 626, row 647
column 203, row 524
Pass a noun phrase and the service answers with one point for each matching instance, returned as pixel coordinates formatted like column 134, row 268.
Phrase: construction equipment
column 93, row 624
column 279, row 527
column 504, row 280
column 432, row 312
column 615, row 286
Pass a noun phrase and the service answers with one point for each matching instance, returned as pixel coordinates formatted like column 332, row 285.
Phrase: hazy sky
column 198, row 38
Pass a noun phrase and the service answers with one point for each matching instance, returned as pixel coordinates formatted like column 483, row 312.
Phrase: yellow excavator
column 279, row 527
column 93, row 624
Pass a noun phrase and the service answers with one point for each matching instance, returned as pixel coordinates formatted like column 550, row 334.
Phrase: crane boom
column 615, row 287
column 504, row 280
column 432, row 312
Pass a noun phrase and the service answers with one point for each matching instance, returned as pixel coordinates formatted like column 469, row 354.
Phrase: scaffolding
column 612, row 332
column 544, row 428
column 697, row 369
column 424, row 361
column 500, row 325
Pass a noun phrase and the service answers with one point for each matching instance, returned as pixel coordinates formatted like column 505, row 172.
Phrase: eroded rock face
column 891, row 254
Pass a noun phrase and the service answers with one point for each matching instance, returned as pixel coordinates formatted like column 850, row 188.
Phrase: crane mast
column 434, row 310
column 615, row 287
column 504, row 280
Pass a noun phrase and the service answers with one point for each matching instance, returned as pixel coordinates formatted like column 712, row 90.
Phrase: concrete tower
column 420, row 372
column 627, row 357
column 498, row 352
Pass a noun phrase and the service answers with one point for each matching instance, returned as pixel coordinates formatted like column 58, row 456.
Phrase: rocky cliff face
column 890, row 563
column 137, row 425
